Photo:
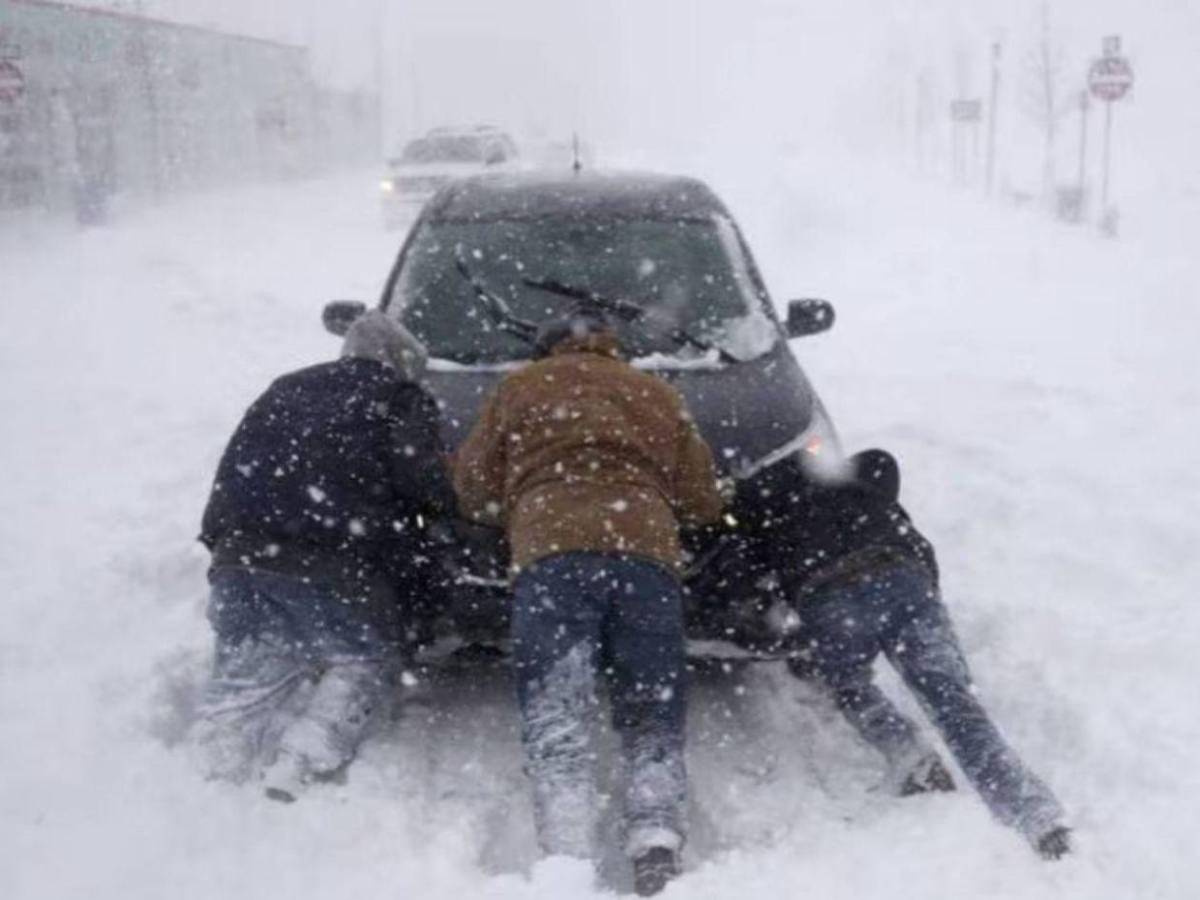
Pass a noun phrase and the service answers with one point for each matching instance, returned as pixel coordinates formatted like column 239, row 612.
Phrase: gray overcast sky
column 654, row 72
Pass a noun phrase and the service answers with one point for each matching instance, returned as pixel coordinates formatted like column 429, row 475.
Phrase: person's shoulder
column 371, row 370
column 336, row 370
column 301, row 375
column 298, row 383
column 655, row 389
column 414, row 394
column 525, row 373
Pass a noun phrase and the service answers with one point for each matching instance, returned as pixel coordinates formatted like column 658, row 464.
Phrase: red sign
column 12, row 82
column 1110, row 78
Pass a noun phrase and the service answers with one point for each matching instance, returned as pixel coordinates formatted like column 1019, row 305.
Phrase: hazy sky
column 666, row 72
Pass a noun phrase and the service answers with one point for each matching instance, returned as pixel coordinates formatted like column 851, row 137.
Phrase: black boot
column 1055, row 843
column 930, row 774
column 653, row 869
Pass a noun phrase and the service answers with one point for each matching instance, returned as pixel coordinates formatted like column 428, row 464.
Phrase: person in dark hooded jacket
column 320, row 560
column 869, row 587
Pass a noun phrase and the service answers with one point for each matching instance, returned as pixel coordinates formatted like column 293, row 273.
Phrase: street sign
column 966, row 110
column 1110, row 78
column 12, row 82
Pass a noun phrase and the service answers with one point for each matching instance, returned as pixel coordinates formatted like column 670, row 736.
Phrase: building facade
column 98, row 100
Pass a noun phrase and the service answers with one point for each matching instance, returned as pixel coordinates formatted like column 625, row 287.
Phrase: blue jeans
column 276, row 633
column 898, row 612
column 573, row 615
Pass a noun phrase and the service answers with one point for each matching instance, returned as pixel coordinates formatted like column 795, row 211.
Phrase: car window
column 448, row 148
column 688, row 274
column 495, row 153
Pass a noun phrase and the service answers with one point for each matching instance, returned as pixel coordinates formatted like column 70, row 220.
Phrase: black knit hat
column 878, row 471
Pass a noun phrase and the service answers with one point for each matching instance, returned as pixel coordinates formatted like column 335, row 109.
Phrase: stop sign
column 12, row 82
column 1110, row 78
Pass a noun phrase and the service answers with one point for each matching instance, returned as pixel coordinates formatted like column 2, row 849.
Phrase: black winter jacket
column 826, row 530
column 327, row 475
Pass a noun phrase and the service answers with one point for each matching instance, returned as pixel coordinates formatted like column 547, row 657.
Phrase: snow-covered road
column 1037, row 383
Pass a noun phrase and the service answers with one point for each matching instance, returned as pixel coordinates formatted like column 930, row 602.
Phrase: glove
column 727, row 488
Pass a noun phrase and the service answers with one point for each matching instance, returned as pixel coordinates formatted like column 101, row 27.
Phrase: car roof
column 632, row 195
column 463, row 130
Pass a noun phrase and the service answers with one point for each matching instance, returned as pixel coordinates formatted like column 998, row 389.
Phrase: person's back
column 313, row 523
column 869, row 585
column 316, row 481
column 591, row 466
column 581, row 451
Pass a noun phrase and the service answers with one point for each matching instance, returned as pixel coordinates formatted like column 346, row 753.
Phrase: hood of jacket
column 377, row 336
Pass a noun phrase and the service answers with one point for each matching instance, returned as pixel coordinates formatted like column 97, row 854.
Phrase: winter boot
column 565, row 815
column 323, row 740
column 1055, row 843
column 286, row 778
column 224, row 752
column 653, row 869
column 928, row 775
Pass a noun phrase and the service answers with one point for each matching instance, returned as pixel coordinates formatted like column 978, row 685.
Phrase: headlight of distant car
column 387, row 185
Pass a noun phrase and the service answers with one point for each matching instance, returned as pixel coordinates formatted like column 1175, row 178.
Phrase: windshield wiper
column 628, row 311
column 495, row 306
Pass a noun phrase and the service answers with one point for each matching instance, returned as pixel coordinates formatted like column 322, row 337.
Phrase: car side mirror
column 339, row 315
column 808, row 316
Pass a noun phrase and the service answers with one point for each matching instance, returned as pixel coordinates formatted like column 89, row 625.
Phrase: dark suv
column 491, row 256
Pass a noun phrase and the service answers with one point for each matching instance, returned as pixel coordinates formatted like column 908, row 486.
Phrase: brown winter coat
column 581, row 451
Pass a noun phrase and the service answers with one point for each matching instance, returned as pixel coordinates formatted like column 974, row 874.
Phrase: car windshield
column 462, row 149
column 687, row 274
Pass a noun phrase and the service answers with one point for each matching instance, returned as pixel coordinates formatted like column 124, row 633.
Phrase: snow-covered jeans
column 574, row 615
column 897, row 611
column 299, row 667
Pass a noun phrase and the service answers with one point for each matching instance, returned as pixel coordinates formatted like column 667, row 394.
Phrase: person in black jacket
column 870, row 586
column 317, row 524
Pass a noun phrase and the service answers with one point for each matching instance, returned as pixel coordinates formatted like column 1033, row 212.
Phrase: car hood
column 746, row 411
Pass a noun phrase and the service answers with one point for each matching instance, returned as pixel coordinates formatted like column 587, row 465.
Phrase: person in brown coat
column 591, row 466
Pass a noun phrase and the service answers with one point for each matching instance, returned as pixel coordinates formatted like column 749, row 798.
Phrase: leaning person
column 591, row 466
column 870, row 587
column 316, row 526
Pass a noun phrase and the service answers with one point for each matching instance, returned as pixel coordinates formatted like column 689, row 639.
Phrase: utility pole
column 991, row 138
column 381, row 21
column 924, row 113
column 148, row 70
column 1083, row 134
column 1107, row 154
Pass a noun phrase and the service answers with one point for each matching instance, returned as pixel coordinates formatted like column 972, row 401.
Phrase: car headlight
column 387, row 185
column 817, row 448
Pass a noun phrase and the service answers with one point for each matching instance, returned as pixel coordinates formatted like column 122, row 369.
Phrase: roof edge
column 157, row 23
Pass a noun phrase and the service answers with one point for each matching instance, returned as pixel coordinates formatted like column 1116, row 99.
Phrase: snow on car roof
column 586, row 195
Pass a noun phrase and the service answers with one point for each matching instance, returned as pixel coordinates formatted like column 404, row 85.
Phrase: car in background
column 491, row 257
column 429, row 163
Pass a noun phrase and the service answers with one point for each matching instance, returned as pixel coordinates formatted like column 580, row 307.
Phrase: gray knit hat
column 375, row 335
